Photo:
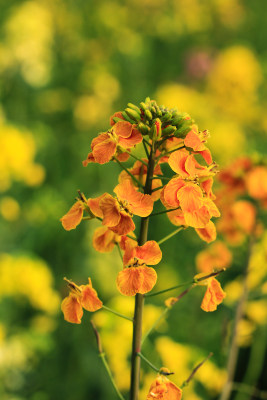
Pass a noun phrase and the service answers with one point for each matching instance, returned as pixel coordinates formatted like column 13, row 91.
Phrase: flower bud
column 133, row 114
column 133, row 107
column 168, row 130
column 166, row 117
column 148, row 114
column 126, row 117
column 144, row 129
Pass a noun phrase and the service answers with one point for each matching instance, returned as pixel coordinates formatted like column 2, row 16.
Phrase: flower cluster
column 173, row 176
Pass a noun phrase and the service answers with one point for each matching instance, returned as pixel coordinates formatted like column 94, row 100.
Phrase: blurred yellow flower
column 17, row 154
column 31, row 278
column 9, row 208
column 245, row 331
column 257, row 311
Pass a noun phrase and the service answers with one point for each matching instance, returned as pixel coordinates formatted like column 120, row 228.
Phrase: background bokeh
column 65, row 67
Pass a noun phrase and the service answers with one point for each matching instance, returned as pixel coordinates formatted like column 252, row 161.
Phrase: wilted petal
column 73, row 216
column 110, row 209
column 89, row 298
column 72, row 309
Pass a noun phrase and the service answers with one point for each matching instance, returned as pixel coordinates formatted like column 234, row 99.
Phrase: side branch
column 191, row 376
column 103, row 358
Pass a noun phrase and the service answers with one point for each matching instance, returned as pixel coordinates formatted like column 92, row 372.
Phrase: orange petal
column 176, row 217
column 90, row 159
column 139, row 204
column 117, row 114
column 256, row 181
column 125, row 226
column 104, row 150
column 110, row 209
column 177, row 161
column 206, row 154
column 122, row 156
column 197, row 218
column 171, row 191
column 149, row 253
column 134, row 280
column 93, row 204
column 104, row 239
column 129, row 251
column 89, row 299
column 135, row 138
column 123, row 129
column 193, row 141
column 190, row 197
column 73, row 216
column 208, row 233
column 214, row 296
column 163, row 389
column 72, row 309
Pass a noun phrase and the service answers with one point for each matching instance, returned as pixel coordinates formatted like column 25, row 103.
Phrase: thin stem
column 249, row 390
column 164, row 211
column 186, row 382
column 138, row 159
column 103, row 358
column 233, row 353
column 119, row 251
column 157, row 188
column 145, row 148
column 129, row 173
column 146, row 142
column 132, row 237
column 117, row 313
column 161, row 177
column 193, row 281
column 169, row 152
column 148, row 362
column 170, row 235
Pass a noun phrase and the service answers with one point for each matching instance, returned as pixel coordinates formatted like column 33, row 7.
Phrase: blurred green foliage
column 65, row 67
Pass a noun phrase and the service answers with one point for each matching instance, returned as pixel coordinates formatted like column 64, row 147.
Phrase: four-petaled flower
column 163, row 389
column 137, row 277
column 84, row 296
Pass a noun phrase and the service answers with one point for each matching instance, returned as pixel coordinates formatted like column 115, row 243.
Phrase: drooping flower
column 136, row 277
column 122, row 135
column 73, row 216
column 214, row 294
column 84, row 296
column 163, row 389
column 104, row 239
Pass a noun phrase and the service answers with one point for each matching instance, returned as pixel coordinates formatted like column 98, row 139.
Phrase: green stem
column 145, row 148
column 192, row 282
column 139, row 298
column 129, row 173
column 170, row 235
column 191, row 376
column 161, row 177
column 117, row 313
column 157, row 188
column 104, row 361
column 164, row 212
column 119, row 251
column 103, row 358
column 148, row 362
column 132, row 237
column 169, row 152
column 138, row 159
column 146, row 142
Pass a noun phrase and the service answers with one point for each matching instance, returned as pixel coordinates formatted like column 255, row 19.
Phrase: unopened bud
column 133, row 114
column 143, row 106
column 148, row 114
column 168, row 130
column 144, row 129
column 166, row 117
column 133, row 107
column 126, row 117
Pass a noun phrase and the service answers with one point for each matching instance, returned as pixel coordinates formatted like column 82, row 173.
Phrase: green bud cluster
column 173, row 122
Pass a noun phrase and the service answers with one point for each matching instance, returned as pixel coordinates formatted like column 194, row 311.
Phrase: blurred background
column 65, row 67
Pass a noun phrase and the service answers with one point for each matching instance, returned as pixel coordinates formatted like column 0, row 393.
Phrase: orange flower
column 195, row 140
column 137, row 277
column 256, row 182
column 104, row 239
column 208, row 233
column 122, row 135
column 80, row 297
column 139, row 171
column 163, row 389
column 185, row 164
column 214, row 294
column 197, row 209
column 215, row 256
